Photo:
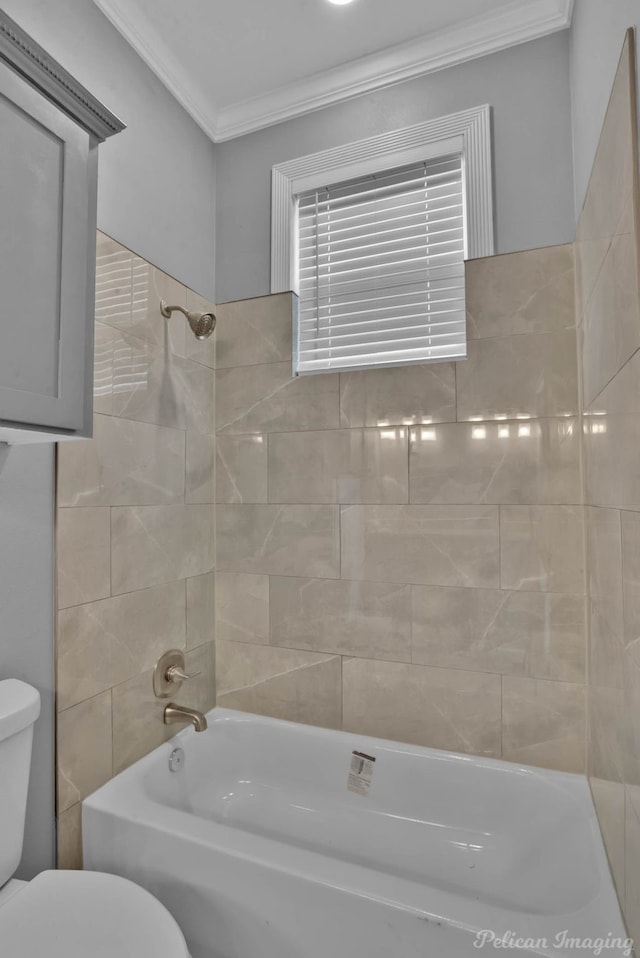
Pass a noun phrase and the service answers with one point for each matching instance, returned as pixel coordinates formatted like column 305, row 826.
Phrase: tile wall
column 607, row 259
column 400, row 551
column 135, row 534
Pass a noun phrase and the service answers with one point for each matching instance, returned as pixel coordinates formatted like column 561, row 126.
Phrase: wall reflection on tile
column 368, row 619
column 542, row 548
column 511, row 461
column 341, row 465
column 453, row 710
column 241, row 468
column 435, row 545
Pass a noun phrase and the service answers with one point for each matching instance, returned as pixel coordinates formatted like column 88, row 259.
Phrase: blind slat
column 381, row 269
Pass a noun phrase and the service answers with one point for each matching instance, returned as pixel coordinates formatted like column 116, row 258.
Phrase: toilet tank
column 19, row 709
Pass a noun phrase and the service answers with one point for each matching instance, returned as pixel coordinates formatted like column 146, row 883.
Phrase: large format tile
column 267, row 398
column 200, row 465
column 608, row 798
column 103, row 643
column 297, row 686
column 84, row 749
column 604, row 587
column 606, row 345
column 542, row 548
column 543, row 723
column 512, row 376
column 612, row 436
column 341, row 465
column 155, row 544
column 279, row 539
column 241, row 468
column 407, row 395
column 513, row 633
column 126, row 463
column 69, row 838
column 242, row 607
column 103, row 344
column 149, row 286
column 253, row 331
column 201, row 610
column 114, row 281
column 369, row 619
column 434, row 545
column 496, row 462
column 632, row 867
column 524, row 292
column 631, row 582
column 83, row 555
column 437, row 708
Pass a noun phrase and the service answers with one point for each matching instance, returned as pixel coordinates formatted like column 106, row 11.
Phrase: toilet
column 64, row 914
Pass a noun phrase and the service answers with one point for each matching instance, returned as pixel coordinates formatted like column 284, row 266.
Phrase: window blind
column 381, row 269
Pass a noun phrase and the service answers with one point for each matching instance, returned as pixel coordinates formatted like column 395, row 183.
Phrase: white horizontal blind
column 381, row 269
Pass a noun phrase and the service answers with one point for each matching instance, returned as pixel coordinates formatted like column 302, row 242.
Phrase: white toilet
column 64, row 914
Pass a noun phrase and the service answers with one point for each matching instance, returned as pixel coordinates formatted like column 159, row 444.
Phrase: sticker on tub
column 360, row 773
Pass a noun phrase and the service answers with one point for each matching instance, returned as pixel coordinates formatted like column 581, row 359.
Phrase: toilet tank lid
column 19, row 706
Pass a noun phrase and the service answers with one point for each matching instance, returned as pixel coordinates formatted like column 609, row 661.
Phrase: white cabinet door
column 44, row 248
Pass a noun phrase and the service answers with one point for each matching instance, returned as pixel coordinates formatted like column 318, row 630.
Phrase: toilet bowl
column 65, row 914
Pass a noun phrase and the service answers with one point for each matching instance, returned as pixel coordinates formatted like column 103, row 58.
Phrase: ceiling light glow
column 340, row 3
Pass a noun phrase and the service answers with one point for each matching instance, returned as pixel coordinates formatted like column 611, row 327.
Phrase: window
column 381, row 269
column 373, row 237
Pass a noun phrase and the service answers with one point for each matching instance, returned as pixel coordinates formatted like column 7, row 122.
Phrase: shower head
column 202, row 324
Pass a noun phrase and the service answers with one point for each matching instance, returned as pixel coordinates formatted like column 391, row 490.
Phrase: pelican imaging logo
column 562, row 942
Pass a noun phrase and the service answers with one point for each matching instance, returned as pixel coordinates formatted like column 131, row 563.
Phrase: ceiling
column 241, row 65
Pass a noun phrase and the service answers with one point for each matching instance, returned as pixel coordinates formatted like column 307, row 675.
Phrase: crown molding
column 20, row 51
column 516, row 23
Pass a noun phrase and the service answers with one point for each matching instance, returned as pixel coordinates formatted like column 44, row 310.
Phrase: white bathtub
column 259, row 849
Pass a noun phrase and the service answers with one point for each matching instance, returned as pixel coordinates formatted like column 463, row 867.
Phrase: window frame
column 469, row 131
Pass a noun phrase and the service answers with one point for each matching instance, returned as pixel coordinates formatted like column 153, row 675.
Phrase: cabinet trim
column 19, row 51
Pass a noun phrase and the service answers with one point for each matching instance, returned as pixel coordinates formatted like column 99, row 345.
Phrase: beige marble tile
column 267, row 398
column 152, row 385
column 149, row 286
column 200, row 468
column 431, row 545
column 103, row 346
column 254, row 331
column 114, row 281
column 606, row 732
column 84, row 749
column 341, row 465
column 83, row 555
column 200, row 691
column 611, row 332
column 369, row 619
column 608, row 798
column 103, row 643
column 604, row 584
column 279, row 539
column 512, row 461
column 126, row 463
column 241, row 468
column 631, row 582
column 631, row 719
column 542, row 548
column 524, row 292
column 201, row 610
column 612, row 436
column 242, row 607
column 543, row 723
column 155, row 544
column 512, row 633
column 69, row 838
column 201, row 351
column 292, row 685
column 408, row 395
column 512, row 376
column 438, row 708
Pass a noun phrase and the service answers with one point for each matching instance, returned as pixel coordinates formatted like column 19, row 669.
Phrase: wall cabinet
column 50, row 130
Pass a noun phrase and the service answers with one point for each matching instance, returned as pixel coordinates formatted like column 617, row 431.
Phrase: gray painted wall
column 528, row 88
column 155, row 181
column 597, row 35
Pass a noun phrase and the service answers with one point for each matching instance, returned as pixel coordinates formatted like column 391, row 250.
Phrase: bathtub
column 278, row 840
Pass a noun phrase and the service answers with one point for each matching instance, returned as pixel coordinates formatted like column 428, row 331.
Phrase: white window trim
column 468, row 132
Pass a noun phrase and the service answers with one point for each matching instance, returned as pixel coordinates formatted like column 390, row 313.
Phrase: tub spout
column 181, row 713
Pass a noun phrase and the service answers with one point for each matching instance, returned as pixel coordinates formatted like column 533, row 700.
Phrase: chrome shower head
column 202, row 324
